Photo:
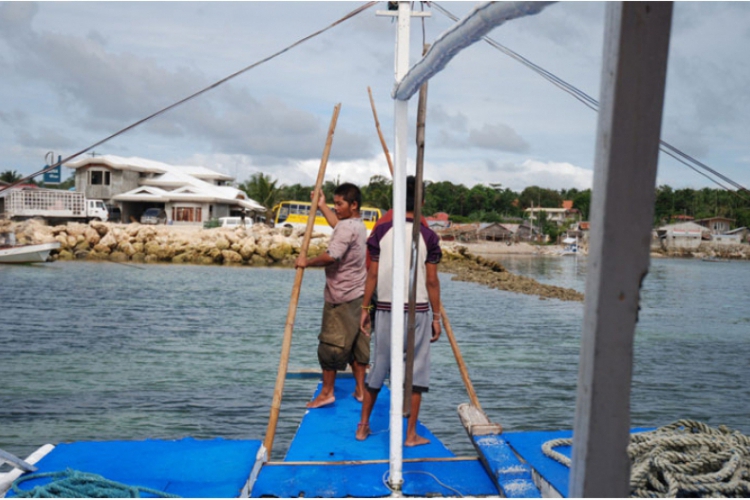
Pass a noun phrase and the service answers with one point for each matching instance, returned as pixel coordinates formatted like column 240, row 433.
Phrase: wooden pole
column 416, row 235
column 380, row 133
column 286, row 344
column 633, row 77
column 460, row 360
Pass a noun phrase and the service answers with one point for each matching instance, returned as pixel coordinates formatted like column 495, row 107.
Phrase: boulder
column 118, row 257
column 222, row 243
column 231, row 257
column 65, row 255
column 100, row 227
column 279, row 251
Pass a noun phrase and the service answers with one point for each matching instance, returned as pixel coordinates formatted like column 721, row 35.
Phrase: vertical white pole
column 401, row 109
column 632, row 95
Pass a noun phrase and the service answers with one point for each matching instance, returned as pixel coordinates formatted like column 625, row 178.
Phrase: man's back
column 345, row 279
column 380, row 246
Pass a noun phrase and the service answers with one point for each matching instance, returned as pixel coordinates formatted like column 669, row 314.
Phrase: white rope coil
column 685, row 458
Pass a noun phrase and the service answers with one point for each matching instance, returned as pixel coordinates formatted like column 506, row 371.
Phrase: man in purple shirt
column 427, row 328
column 340, row 341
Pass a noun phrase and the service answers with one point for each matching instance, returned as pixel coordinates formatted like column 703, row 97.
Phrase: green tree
column 261, row 188
column 378, row 192
column 582, row 201
column 10, row 176
column 540, row 197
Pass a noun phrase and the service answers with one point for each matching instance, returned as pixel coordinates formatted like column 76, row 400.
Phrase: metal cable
column 348, row 16
column 593, row 104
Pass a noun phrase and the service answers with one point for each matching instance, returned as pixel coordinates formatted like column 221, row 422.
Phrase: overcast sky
column 73, row 73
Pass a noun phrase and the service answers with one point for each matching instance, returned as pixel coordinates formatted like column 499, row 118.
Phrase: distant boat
column 27, row 254
column 571, row 246
column 714, row 259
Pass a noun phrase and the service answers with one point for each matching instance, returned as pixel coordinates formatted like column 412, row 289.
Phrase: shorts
column 341, row 342
column 381, row 358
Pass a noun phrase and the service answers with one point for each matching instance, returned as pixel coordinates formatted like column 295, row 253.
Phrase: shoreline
column 257, row 246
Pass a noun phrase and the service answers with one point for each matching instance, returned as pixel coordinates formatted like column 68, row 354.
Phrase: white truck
column 53, row 205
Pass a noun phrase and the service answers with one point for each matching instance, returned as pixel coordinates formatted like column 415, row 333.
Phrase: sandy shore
column 499, row 247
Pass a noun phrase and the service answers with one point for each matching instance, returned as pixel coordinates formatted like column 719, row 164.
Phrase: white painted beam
column 632, row 95
column 477, row 23
column 401, row 111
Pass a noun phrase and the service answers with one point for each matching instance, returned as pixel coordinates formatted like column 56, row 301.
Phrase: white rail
column 465, row 32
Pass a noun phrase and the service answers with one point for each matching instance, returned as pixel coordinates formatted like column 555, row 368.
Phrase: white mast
column 401, row 109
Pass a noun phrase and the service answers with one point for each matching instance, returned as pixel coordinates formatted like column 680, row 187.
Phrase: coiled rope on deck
column 76, row 484
column 685, row 458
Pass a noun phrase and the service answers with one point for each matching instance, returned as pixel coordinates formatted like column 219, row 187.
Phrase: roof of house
column 709, row 219
column 172, row 183
column 684, row 227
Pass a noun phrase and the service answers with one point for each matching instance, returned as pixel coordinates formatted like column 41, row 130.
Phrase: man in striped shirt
column 427, row 324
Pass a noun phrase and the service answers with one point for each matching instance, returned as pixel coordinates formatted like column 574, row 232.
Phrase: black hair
column 350, row 193
column 411, row 192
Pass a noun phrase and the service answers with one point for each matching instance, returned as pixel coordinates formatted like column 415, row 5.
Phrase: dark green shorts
column 340, row 339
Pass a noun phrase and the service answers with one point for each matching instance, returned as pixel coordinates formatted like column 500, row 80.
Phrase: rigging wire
column 593, row 104
column 346, row 17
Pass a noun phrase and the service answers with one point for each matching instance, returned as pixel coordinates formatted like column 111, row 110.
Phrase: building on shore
column 187, row 194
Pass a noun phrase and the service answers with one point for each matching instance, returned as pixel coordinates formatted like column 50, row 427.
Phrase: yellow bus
column 295, row 213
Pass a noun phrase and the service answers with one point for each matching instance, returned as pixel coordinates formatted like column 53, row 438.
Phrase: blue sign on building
column 53, row 176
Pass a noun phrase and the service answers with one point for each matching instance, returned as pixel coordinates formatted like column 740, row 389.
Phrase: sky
column 75, row 72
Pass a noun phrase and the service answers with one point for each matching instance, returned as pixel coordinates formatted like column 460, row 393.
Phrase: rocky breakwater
column 257, row 246
column 468, row 267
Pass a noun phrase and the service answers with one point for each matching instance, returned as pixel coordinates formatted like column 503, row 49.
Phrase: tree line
column 495, row 203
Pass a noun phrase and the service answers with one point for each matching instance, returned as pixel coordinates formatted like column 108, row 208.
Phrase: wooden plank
column 633, row 75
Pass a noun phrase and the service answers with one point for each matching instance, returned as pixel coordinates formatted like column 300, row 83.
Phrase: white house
column 687, row 235
column 188, row 194
column 556, row 215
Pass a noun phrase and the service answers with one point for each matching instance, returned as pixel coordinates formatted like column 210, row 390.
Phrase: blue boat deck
column 216, row 468
column 325, row 460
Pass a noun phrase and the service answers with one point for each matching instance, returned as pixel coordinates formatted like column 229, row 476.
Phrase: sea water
column 101, row 351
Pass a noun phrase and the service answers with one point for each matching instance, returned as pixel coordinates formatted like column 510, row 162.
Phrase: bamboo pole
column 380, row 133
column 415, row 237
column 294, row 300
column 459, row 360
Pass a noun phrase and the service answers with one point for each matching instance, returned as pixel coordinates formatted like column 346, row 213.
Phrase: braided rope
column 76, row 484
column 684, row 458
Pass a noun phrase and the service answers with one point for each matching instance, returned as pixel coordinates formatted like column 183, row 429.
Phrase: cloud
column 513, row 175
column 499, row 137
column 104, row 91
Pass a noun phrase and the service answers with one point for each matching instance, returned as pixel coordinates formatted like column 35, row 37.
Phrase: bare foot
column 356, row 396
column 363, row 430
column 321, row 401
column 416, row 440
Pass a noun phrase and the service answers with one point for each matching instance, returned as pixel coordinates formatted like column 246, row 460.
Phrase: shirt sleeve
column 373, row 245
column 340, row 240
column 432, row 242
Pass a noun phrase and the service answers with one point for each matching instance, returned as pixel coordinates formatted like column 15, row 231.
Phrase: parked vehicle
column 52, row 205
column 234, row 222
column 115, row 214
column 154, row 216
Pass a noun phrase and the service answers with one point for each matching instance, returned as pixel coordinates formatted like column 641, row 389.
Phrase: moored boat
column 27, row 254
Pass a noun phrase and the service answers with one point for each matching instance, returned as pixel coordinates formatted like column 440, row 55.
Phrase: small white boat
column 25, row 254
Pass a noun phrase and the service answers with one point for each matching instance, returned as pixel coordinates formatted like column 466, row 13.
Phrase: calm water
column 108, row 351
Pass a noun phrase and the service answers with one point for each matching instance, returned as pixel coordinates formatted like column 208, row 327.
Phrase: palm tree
column 10, row 176
column 261, row 188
